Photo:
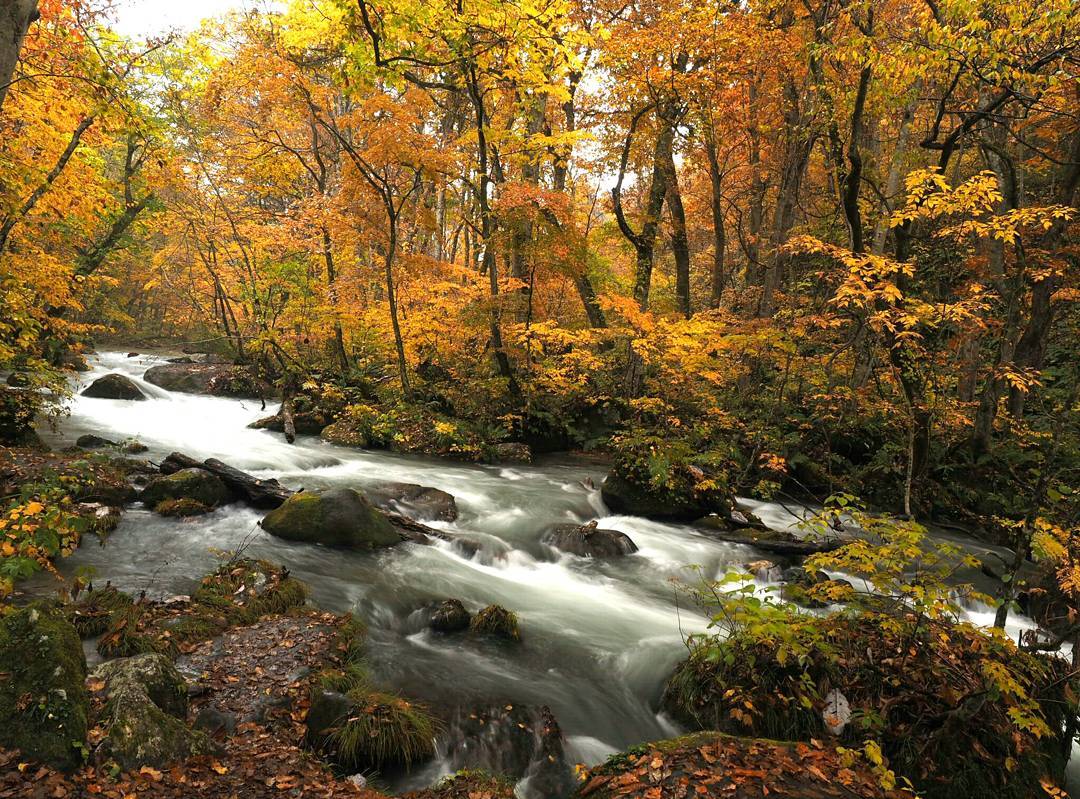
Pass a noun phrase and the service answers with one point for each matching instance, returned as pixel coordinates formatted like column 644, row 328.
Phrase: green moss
column 181, row 508
column 93, row 613
column 354, row 676
column 939, row 711
column 382, row 731
column 339, row 517
column 497, row 622
column 468, row 784
column 239, row 592
column 124, row 636
column 195, row 484
column 43, row 700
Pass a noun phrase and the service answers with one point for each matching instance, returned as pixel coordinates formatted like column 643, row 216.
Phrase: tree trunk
column 719, row 234
column 16, row 16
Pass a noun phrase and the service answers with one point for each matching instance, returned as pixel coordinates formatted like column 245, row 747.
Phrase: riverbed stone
column 216, row 379
column 146, row 699
column 590, row 541
column 43, row 699
column 193, row 484
column 91, row 441
column 415, row 501
column 450, row 616
column 116, row 387
column 338, row 517
column 497, row 622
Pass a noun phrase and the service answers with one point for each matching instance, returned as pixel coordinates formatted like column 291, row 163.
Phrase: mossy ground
column 954, row 710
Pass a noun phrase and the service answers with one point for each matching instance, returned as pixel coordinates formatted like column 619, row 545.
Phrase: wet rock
column 134, row 447
column 18, row 380
column 339, row 517
column 90, row 441
column 133, row 355
column 682, row 504
column 450, row 616
column 215, row 722
column 739, row 523
column 765, row 570
column 741, row 517
column 590, row 541
column 146, row 698
column 103, row 518
column 192, row 484
column 519, row 741
column 513, row 452
column 467, row 784
column 43, row 700
column 497, row 622
column 216, row 379
column 115, row 387
column 415, row 501
column 75, row 361
column 328, row 709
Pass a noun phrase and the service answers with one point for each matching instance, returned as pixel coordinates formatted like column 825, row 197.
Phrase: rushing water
column 599, row 636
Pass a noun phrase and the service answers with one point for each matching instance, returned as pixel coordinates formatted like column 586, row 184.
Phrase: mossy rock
column 145, row 701
column 192, row 484
column 497, row 622
column 450, row 616
column 43, row 700
column 368, row 729
column 115, row 387
column 938, row 712
column 240, row 592
column 181, row 508
column 683, row 503
column 467, row 784
column 93, row 613
column 340, row 517
column 345, row 433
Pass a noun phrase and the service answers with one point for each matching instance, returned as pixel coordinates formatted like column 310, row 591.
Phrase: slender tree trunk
column 391, row 297
column 16, row 16
column 680, row 244
column 719, row 233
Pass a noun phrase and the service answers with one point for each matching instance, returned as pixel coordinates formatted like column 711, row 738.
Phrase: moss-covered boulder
column 114, row 386
column 450, row 616
column 497, row 622
column 360, row 728
column 711, row 765
column 217, row 379
column 340, row 517
column 194, row 484
column 955, row 710
column 680, row 501
column 181, row 508
column 146, row 699
column 43, row 700
column 415, row 501
column 345, row 433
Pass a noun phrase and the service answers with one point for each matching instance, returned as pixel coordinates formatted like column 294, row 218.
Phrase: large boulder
column 91, row 441
column 590, row 541
column 43, row 700
column 193, row 484
column 146, row 700
column 415, row 501
column 115, row 387
column 339, row 517
column 218, row 379
column 683, row 503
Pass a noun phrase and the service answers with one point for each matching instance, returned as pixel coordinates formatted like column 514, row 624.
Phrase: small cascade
column 521, row 741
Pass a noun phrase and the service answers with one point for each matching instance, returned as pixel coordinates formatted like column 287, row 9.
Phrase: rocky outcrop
column 43, row 701
column 519, row 741
column 590, row 541
column 340, row 517
column 91, row 441
column 450, row 616
column 146, row 700
column 216, row 379
column 114, row 387
column 197, row 485
column 684, row 503
column 416, row 501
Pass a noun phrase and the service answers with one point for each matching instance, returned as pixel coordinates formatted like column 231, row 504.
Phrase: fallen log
column 780, row 546
column 267, row 494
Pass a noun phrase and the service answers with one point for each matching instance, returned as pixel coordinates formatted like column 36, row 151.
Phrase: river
column 599, row 636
